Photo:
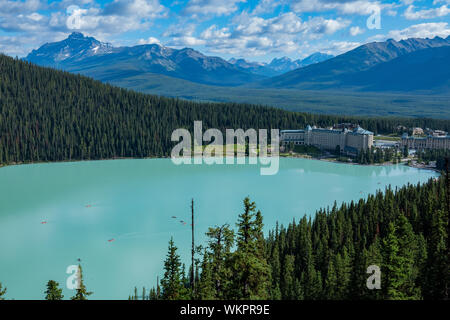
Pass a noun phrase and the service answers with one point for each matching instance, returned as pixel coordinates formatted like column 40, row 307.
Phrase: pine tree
column 331, row 283
column 206, row 286
column 251, row 270
column 221, row 240
column 53, row 292
column 2, row 292
column 152, row 294
column 408, row 250
column 172, row 282
column 288, row 283
column 391, row 269
column 437, row 264
column 311, row 282
column 82, row 293
column 343, row 269
column 276, row 273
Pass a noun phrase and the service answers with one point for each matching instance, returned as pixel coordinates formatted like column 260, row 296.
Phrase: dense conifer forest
column 404, row 232
column 49, row 115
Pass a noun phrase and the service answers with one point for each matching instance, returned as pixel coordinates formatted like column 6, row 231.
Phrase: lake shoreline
column 330, row 160
column 384, row 164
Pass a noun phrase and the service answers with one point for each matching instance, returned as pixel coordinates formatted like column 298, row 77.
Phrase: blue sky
column 257, row 30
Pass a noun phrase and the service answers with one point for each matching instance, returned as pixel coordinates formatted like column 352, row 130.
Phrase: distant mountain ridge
column 421, row 70
column 75, row 48
column 279, row 66
column 88, row 56
column 341, row 71
column 100, row 60
column 389, row 66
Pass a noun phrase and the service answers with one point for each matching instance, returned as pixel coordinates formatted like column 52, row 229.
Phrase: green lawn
column 387, row 138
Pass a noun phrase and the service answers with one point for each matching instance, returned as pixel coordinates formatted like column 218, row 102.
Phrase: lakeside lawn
column 387, row 138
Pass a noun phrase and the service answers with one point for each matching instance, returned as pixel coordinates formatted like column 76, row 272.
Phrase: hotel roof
column 292, row 131
column 359, row 130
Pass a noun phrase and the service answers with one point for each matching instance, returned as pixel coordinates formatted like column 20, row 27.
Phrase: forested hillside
column 404, row 232
column 49, row 115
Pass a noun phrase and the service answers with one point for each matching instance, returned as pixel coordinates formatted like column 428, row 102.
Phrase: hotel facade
column 349, row 141
column 429, row 142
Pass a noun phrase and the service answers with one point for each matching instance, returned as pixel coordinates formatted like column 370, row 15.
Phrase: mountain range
column 279, row 66
column 415, row 64
column 102, row 61
column 406, row 65
column 88, row 56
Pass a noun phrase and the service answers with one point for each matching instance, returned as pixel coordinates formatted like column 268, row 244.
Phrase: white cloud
column 214, row 33
column 266, row 6
column 13, row 46
column 182, row 35
column 441, row 1
column 117, row 17
column 30, row 21
column 391, row 12
column 337, row 47
column 354, row 31
column 410, row 14
column 361, row 7
column 143, row 9
column 422, row 30
column 150, row 40
column 333, row 47
column 287, row 24
column 18, row 7
column 35, row 16
column 318, row 26
column 211, row 7
column 179, row 29
column 186, row 41
column 253, row 35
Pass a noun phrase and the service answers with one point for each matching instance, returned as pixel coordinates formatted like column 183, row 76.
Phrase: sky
column 256, row 30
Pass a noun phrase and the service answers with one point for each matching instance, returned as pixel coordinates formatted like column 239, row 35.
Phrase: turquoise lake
column 85, row 204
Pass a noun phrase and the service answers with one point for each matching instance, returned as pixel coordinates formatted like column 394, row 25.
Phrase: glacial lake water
column 85, row 204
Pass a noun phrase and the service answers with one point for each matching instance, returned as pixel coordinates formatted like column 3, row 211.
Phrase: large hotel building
column 349, row 141
column 429, row 142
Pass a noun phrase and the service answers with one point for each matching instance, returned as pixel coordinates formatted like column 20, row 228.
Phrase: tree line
column 404, row 232
column 50, row 115
column 378, row 155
